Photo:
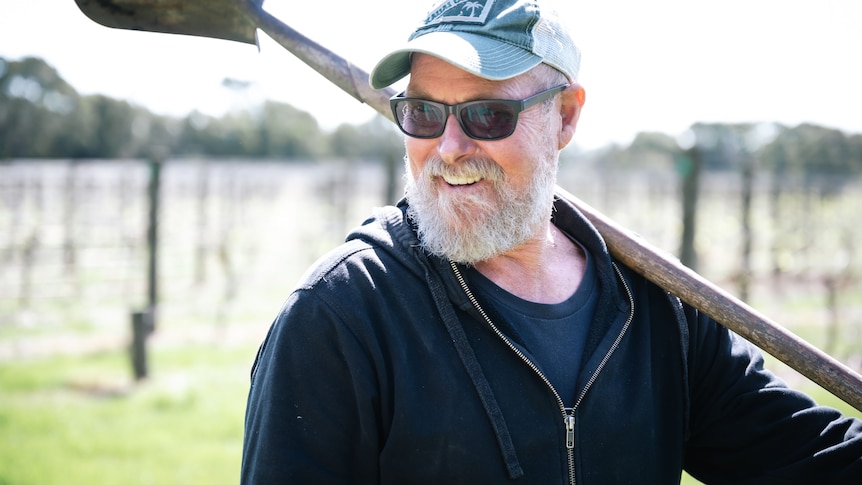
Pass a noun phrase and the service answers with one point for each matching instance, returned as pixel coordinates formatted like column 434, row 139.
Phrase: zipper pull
column 570, row 431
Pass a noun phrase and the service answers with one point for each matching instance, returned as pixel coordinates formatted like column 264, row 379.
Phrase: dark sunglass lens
column 421, row 119
column 488, row 120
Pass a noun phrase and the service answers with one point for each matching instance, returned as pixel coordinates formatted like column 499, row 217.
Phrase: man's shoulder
column 355, row 252
column 379, row 248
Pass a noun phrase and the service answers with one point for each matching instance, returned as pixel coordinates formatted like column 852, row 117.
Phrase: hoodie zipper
column 568, row 414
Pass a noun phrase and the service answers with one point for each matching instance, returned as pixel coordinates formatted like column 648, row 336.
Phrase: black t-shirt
column 552, row 334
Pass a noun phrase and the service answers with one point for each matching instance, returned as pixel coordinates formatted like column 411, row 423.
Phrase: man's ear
column 571, row 101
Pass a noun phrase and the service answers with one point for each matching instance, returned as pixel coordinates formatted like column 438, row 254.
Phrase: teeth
column 455, row 180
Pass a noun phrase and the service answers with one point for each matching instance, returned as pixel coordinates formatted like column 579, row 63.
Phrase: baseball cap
column 492, row 39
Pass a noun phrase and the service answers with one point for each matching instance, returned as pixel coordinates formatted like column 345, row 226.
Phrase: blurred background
column 160, row 195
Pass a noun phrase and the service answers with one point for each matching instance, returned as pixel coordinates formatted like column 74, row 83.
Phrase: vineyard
column 233, row 237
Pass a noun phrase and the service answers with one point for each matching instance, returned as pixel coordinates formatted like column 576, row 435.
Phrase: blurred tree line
column 42, row 116
column 806, row 151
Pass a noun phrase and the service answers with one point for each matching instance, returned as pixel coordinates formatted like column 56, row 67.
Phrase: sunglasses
column 485, row 119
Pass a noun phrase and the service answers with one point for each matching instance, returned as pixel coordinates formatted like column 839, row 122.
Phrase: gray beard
column 475, row 228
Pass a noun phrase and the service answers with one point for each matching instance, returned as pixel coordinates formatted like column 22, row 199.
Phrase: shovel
column 238, row 20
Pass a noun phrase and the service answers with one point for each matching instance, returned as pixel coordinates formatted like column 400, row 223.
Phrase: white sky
column 646, row 66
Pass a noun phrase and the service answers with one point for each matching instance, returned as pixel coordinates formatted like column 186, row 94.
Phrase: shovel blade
column 220, row 19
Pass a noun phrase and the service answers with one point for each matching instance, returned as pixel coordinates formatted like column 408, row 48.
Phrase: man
column 481, row 333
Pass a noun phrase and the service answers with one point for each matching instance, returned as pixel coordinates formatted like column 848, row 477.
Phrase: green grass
column 81, row 420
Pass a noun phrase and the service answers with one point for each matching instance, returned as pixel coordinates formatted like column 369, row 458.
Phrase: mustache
column 473, row 167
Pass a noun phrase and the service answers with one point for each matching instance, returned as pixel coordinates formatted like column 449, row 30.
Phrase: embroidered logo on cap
column 464, row 11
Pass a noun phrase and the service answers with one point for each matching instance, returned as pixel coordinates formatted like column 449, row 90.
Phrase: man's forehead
column 428, row 72
column 427, row 65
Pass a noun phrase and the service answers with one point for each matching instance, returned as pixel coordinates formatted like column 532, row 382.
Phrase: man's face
column 475, row 199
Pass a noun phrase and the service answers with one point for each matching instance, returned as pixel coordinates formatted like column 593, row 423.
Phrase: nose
column 454, row 144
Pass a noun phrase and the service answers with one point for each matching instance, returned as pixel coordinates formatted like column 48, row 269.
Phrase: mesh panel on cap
column 563, row 56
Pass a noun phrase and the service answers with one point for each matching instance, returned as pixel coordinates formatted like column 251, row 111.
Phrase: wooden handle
column 667, row 272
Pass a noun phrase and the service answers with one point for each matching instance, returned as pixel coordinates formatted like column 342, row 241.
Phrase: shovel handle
column 670, row 274
column 339, row 71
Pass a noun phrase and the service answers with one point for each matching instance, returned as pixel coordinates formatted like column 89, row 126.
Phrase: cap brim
column 476, row 54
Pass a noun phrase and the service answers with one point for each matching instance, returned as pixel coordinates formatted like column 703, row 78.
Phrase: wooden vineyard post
column 144, row 322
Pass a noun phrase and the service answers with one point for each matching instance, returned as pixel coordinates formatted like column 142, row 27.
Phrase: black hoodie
column 382, row 367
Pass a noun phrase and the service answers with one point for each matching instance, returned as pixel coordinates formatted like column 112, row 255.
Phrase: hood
column 390, row 230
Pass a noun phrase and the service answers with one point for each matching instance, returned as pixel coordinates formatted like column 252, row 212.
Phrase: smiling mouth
column 456, row 180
